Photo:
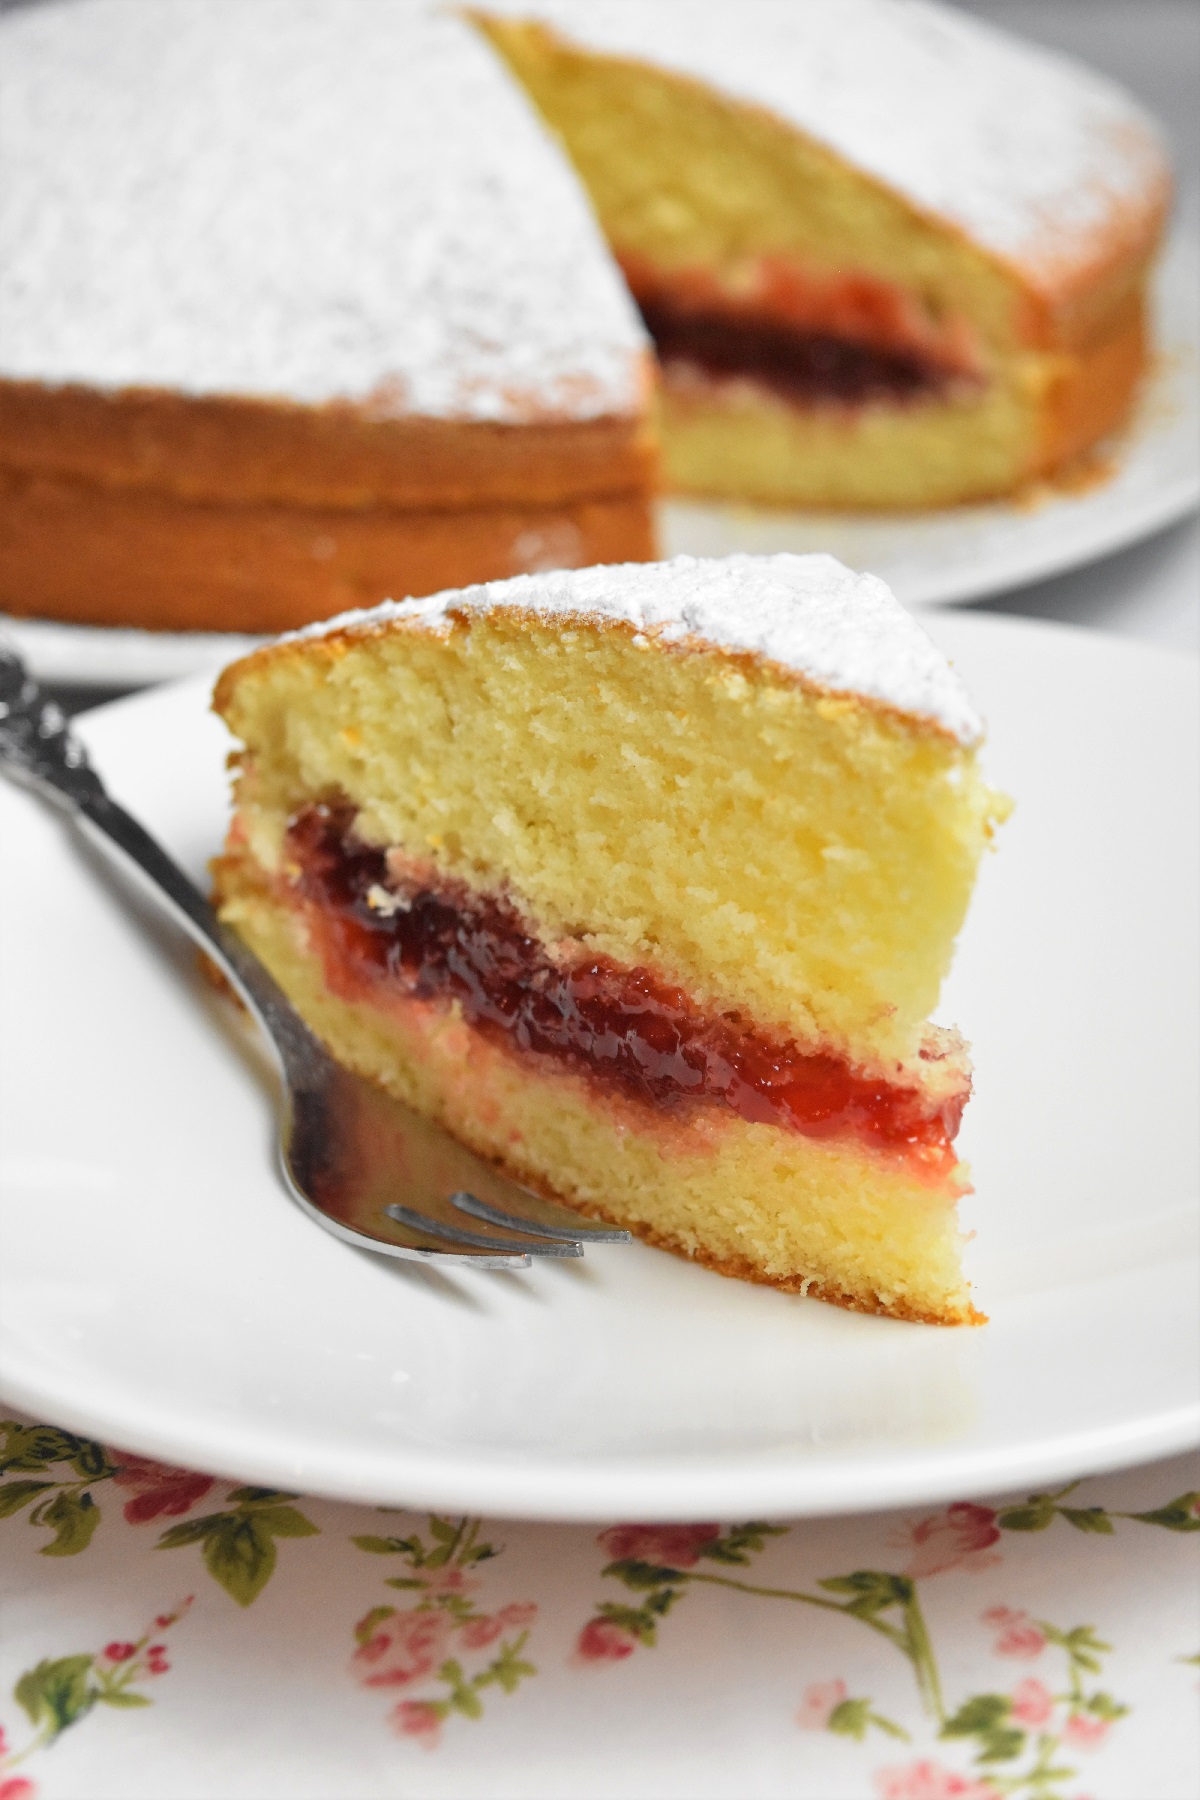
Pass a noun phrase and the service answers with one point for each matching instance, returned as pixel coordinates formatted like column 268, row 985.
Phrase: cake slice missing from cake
column 642, row 880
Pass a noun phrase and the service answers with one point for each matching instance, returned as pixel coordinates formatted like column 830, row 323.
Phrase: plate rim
column 500, row 1489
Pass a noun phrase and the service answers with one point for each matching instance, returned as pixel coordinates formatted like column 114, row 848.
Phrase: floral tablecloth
column 171, row 1635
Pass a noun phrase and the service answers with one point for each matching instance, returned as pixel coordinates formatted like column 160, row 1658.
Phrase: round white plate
column 929, row 559
column 160, row 1291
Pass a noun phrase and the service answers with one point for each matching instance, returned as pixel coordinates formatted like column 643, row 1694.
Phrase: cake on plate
column 642, row 880
column 300, row 306
column 890, row 256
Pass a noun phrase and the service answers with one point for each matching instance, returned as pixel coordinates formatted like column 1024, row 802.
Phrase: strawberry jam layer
column 620, row 1026
column 847, row 340
column 807, row 368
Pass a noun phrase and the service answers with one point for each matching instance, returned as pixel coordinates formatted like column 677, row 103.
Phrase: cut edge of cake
column 866, row 1218
column 972, row 276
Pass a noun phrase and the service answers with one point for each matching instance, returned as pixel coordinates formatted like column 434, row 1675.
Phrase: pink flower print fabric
column 960, row 1537
column 603, row 1640
column 1018, row 1635
column 418, row 1719
column 668, row 1546
column 159, row 1489
column 930, row 1781
column 1032, row 1703
column 820, row 1702
column 1084, row 1732
column 403, row 1649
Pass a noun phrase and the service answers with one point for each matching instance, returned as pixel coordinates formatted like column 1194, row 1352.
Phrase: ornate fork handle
column 38, row 746
column 36, row 741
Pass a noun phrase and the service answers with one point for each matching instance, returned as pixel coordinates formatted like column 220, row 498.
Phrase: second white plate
column 159, row 1290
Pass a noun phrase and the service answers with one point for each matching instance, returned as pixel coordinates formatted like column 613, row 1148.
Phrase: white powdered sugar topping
column 1033, row 156
column 309, row 200
column 810, row 614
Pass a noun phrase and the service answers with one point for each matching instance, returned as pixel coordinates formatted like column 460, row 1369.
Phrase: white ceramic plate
column 159, row 1290
column 930, row 559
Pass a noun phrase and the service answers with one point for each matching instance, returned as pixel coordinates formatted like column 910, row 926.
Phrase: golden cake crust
column 177, row 512
column 740, row 1268
column 220, row 448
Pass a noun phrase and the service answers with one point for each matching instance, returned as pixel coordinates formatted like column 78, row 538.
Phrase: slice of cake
column 642, row 880
column 890, row 256
column 300, row 306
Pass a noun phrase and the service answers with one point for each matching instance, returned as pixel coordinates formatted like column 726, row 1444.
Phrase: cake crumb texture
column 662, row 796
column 1033, row 156
column 747, row 1200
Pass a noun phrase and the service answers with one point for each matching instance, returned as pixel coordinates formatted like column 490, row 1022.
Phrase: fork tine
column 543, row 1217
column 459, row 1234
column 408, row 1242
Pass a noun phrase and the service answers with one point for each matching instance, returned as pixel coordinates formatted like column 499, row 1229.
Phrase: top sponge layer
column 842, row 632
column 756, row 778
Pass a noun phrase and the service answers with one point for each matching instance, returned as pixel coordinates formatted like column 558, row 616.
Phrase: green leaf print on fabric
column 455, row 1544
column 37, row 1447
column 72, row 1517
column 887, row 1603
column 986, row 1717
column 1088, row 1518
column 60, row 1691
column 239, row 1545
column 1177, row 1515
column 65, row 1505
column 65, row 1508
column 1039, row 1512
column 1019, row 1741
column 16, row 1494
column 1034, row 1720
column 55, row 1694
column 828, row 1706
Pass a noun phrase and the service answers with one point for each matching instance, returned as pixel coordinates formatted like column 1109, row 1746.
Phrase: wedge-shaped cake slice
column 643, row 881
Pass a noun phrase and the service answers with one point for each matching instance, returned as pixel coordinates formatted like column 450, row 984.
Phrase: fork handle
column 106, row 823
column 39, row 749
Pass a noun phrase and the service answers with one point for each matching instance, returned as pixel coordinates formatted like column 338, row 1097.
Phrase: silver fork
column 367, row 1168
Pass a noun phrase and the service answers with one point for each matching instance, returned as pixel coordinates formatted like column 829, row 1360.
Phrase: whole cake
column 890, row 256
column 642, row 880
column 300, row 306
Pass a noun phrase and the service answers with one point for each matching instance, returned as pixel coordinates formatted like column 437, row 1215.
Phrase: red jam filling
column 621, row 1026
column 845, row 340
column 806, row 368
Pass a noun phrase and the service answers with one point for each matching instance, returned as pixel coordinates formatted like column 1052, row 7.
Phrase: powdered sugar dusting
column 303, row 199
column 810, row 614
column 1032, row 155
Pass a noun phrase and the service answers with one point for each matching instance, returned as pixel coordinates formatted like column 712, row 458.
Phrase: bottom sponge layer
column 753, row 1200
